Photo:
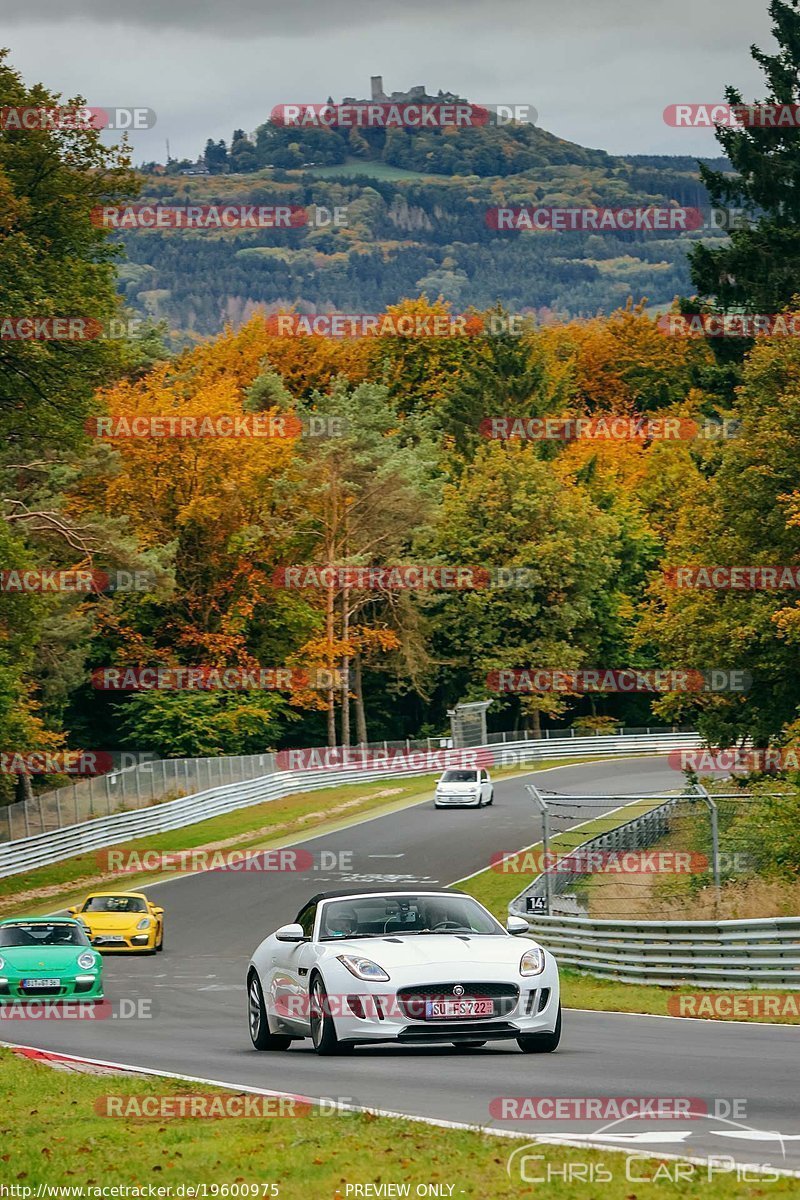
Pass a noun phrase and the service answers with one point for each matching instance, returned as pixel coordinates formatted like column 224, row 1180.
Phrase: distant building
column 415, row 95
column 198, row 168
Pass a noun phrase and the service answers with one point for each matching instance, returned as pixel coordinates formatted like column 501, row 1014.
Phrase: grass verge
column 54, row 1135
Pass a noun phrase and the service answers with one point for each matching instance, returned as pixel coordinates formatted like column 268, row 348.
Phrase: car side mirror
column 73, row 912
column 294, row 933
column 159, row 912
column 517, row 925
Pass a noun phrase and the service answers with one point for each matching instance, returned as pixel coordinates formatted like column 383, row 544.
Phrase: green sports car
column 48, row 958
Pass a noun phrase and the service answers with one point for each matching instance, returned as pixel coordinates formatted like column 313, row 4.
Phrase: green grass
column 609, row 995
column 273, row 823
column 496, row 889
column 53, row 1134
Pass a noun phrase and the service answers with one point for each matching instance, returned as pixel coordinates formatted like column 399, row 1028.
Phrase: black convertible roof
column 339, row 893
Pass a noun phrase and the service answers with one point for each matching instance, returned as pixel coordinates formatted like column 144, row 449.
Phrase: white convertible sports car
column 413, row 967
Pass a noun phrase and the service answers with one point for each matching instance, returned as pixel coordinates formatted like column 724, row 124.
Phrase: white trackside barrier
column 24, row 854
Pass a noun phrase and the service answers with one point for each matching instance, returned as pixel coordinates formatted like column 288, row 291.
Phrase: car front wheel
column 323, row 1030
column 541, row 1043
column 260, row 1034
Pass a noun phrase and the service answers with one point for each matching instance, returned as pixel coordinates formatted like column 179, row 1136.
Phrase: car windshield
column 42, row 933
column 459, row 777
column 377, row 916
column 115, row 904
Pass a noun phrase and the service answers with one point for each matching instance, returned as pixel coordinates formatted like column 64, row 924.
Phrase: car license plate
column 41, row 983
column 458, row 1008
column 107, row 937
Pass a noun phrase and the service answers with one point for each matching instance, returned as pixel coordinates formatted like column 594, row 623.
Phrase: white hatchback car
column 461, row 787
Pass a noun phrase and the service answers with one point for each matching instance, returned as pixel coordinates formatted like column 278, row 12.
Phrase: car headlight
column 86, row 960
column 363, row 968
column 2, row 963
column 144, row 923
column 532, row 962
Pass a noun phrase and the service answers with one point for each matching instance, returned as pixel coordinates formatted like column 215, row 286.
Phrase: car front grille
column 443, row 1031
column 411, row 1000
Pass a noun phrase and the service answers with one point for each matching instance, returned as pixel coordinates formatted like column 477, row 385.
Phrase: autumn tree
column 511, row 511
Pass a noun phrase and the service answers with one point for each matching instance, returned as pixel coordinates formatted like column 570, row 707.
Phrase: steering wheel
column 447, row 925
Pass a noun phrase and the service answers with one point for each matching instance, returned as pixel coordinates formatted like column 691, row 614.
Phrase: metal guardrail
column 761, row 952
column 51, row 846
column 722, row 954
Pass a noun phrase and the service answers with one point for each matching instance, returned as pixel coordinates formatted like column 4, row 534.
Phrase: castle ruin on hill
column 414, row 95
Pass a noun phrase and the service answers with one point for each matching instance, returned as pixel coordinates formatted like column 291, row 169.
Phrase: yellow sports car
column 122, row 921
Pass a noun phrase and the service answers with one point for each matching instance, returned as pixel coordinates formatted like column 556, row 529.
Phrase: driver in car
column 437, row 915
column 342, row 924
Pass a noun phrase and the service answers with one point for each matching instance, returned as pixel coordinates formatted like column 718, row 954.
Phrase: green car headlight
column 86, row 960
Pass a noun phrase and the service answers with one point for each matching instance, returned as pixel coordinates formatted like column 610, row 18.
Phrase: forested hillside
column 416, row 223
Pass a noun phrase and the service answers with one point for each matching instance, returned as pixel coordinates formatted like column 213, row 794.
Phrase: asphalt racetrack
column 214, row 920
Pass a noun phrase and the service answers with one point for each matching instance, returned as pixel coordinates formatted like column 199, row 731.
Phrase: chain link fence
column 154, row 781
column 649, row 857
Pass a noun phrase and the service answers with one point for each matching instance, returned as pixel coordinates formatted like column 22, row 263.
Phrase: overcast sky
column 599, row 72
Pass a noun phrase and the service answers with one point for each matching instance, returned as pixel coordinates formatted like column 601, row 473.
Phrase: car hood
column 101, row 922
column 41, row 958
column 425, row 949
column 458, row 789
